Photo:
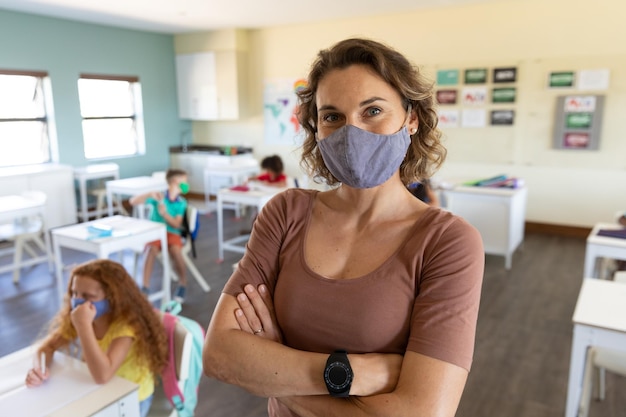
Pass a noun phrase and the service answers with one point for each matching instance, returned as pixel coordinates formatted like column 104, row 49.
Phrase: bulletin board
column 578, row 121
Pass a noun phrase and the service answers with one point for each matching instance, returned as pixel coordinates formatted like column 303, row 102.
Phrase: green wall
column 66, row 48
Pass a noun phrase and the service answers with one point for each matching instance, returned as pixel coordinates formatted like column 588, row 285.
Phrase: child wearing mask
column 168, row 208
column 118, row 331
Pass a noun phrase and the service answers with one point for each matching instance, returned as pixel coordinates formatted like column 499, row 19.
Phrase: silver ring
column 258, row 331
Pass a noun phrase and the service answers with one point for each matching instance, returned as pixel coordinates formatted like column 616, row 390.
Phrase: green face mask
column 184, row 187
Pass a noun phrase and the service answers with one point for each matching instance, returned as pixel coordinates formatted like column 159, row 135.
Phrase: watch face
column 338, row 376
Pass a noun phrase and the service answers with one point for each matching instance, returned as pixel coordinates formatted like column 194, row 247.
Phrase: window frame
column 136, row 117
column 48, row 119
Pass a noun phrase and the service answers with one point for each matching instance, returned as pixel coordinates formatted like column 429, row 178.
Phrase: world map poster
column 280, row 105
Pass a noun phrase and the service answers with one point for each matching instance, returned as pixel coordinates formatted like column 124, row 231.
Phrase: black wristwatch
column 338, row 374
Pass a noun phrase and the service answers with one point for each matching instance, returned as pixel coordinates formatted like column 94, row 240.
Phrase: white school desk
column 602, row 246
column 132, row 187
column 599, row 320
column 257, row 198
column 128, row 233
column 498, row 214
column 92, row 172
column 236, row 174
column 15, row 207
column 69, row 392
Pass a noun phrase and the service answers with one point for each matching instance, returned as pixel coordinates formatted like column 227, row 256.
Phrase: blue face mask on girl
column 102, row 306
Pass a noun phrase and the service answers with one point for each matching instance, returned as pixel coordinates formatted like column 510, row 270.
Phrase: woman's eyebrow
column 371, row 100
column 361, row 104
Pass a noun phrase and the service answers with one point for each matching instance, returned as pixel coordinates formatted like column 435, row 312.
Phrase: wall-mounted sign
column 446, row 96
column 476, row 76
column 578, row 120
column 503, row 95
column 474, row 96
column 448, row 118
column 502, row 117
column 505, row 75
column 561, row 79
column 448, row 77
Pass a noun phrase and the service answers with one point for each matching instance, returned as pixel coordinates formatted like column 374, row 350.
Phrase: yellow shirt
column 129, row 369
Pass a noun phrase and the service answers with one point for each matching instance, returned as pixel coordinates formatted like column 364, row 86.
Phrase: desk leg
column 109, row 201
column 220, row 229
column 83, row 198
column 166, row 268
column 590, row 262
column 580, row 342
column 58, row 263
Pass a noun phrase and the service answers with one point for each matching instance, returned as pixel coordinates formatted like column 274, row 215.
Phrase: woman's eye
column 373, row 111
column 330, row 118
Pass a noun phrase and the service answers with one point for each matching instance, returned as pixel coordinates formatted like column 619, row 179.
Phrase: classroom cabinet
column 57, row 181
column 210, row 85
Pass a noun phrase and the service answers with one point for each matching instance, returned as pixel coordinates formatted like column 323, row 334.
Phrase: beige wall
column 566, row 187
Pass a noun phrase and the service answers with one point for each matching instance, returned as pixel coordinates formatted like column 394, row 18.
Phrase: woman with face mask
column 361, row 300
column 118, row 330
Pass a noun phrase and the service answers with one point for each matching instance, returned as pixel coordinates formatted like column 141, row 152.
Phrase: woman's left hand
column 256, row 313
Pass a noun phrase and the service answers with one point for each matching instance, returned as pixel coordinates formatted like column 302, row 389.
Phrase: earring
column 413, row 131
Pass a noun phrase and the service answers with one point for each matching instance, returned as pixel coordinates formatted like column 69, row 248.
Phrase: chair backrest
column 191, row 226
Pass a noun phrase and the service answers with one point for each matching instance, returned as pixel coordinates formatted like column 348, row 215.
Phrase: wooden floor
column 523, row 340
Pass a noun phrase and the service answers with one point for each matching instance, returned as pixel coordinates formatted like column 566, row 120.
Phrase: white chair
column 192, row 216
column 598, row 361
column 101, row 205
column 24, row 232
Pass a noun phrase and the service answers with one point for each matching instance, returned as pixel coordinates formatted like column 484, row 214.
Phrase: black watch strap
column 338, row 374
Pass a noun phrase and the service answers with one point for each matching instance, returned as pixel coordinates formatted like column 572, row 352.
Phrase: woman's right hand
column 256, row 313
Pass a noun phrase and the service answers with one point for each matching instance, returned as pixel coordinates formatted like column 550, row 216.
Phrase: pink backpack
column 181, row 375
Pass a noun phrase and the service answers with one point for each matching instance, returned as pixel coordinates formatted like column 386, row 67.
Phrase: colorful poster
column 561, row 79
column 502, row 117
column 503, row 95
column 448, row 77
column 476, row 76
column 578, row 120
column 474, row 96
column 505, row 75
column 279, row 112
column 446, row 96
column 448, row 118
column 580, row 103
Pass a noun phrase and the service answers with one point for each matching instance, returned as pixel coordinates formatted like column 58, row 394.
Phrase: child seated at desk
column 272, row 174
column 169, row 209
column 118, row 330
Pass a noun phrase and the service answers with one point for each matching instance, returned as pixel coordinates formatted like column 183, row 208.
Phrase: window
column 112, row 116
column 25, row 118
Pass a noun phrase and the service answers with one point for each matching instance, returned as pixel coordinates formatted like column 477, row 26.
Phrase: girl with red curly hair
column 118, row 331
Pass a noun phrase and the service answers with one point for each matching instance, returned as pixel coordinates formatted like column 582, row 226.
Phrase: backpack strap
column 168, row 375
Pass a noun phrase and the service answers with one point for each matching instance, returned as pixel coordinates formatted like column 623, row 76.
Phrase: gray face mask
column 362, row 159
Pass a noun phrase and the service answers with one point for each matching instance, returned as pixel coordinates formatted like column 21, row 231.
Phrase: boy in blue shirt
column 168, row 208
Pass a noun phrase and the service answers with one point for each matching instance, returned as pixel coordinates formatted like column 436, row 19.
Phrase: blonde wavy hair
column 426, row 152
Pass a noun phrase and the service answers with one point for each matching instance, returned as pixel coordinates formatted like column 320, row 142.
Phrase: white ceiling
column 179, row 16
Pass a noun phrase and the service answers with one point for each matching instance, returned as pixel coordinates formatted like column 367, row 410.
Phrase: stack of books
column 499, row 181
